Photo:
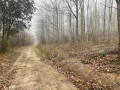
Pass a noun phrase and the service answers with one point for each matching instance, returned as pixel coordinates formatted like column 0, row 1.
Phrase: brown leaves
column 6, row 61
column 102, row 57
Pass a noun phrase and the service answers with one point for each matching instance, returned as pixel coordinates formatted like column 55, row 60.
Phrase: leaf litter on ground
column 101, row 57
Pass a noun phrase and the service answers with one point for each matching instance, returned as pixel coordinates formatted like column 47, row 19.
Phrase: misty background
column 96, row 12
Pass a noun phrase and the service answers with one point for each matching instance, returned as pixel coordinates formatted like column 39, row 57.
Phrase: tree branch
column 70, row 8
column 108, row 6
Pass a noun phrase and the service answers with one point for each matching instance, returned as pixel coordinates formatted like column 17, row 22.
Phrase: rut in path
column 32, row 74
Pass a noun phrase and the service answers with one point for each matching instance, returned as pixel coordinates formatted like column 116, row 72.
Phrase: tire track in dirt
column 32, row 74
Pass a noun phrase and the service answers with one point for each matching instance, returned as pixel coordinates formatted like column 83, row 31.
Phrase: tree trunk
column 77, row 22
column 118, row 15
column 70, row 23
column 110, row 21
column 3, row 37
column 104, row 25
column 82, row 22
column 88, row 21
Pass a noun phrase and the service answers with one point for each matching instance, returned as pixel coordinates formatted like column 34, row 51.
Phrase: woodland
column 80, row 39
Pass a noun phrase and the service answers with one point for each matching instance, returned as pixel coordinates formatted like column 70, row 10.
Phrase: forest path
column 32, row 74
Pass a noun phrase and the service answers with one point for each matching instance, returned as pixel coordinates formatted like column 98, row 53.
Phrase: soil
column 32, row 74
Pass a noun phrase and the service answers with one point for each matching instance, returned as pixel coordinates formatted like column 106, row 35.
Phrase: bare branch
column 70, row 8
column 108, row 6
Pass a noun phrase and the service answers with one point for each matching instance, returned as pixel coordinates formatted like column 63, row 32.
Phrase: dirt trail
column 32, row 74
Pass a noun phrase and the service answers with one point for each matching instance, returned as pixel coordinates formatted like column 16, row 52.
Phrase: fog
column 39, row 14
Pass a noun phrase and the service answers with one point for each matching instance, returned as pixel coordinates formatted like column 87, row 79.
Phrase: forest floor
column 87, row 66
column 32, row 74
column 6, row 62
column 61, row 67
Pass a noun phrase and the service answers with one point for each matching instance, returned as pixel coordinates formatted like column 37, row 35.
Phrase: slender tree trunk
column 118, row 16
column 70, row 27
column 53, row 27
column 57, row 11
column 88, row 22
column 3, row 37
column 77, row 9
column 70, row 23
column 73, row 32
column 61, row 26
column 96, row 23
column 0, row 26
column 110, row 21
column 82, row 22
column 104, row 24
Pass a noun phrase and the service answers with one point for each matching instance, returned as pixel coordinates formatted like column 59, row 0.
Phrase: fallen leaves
column 6, row 62
column 102, row 57
column 53, row 54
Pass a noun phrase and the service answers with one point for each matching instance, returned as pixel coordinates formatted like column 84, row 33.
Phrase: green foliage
column 13, row 15
column 103, row 54
column 16, row 13
column 115, row 69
